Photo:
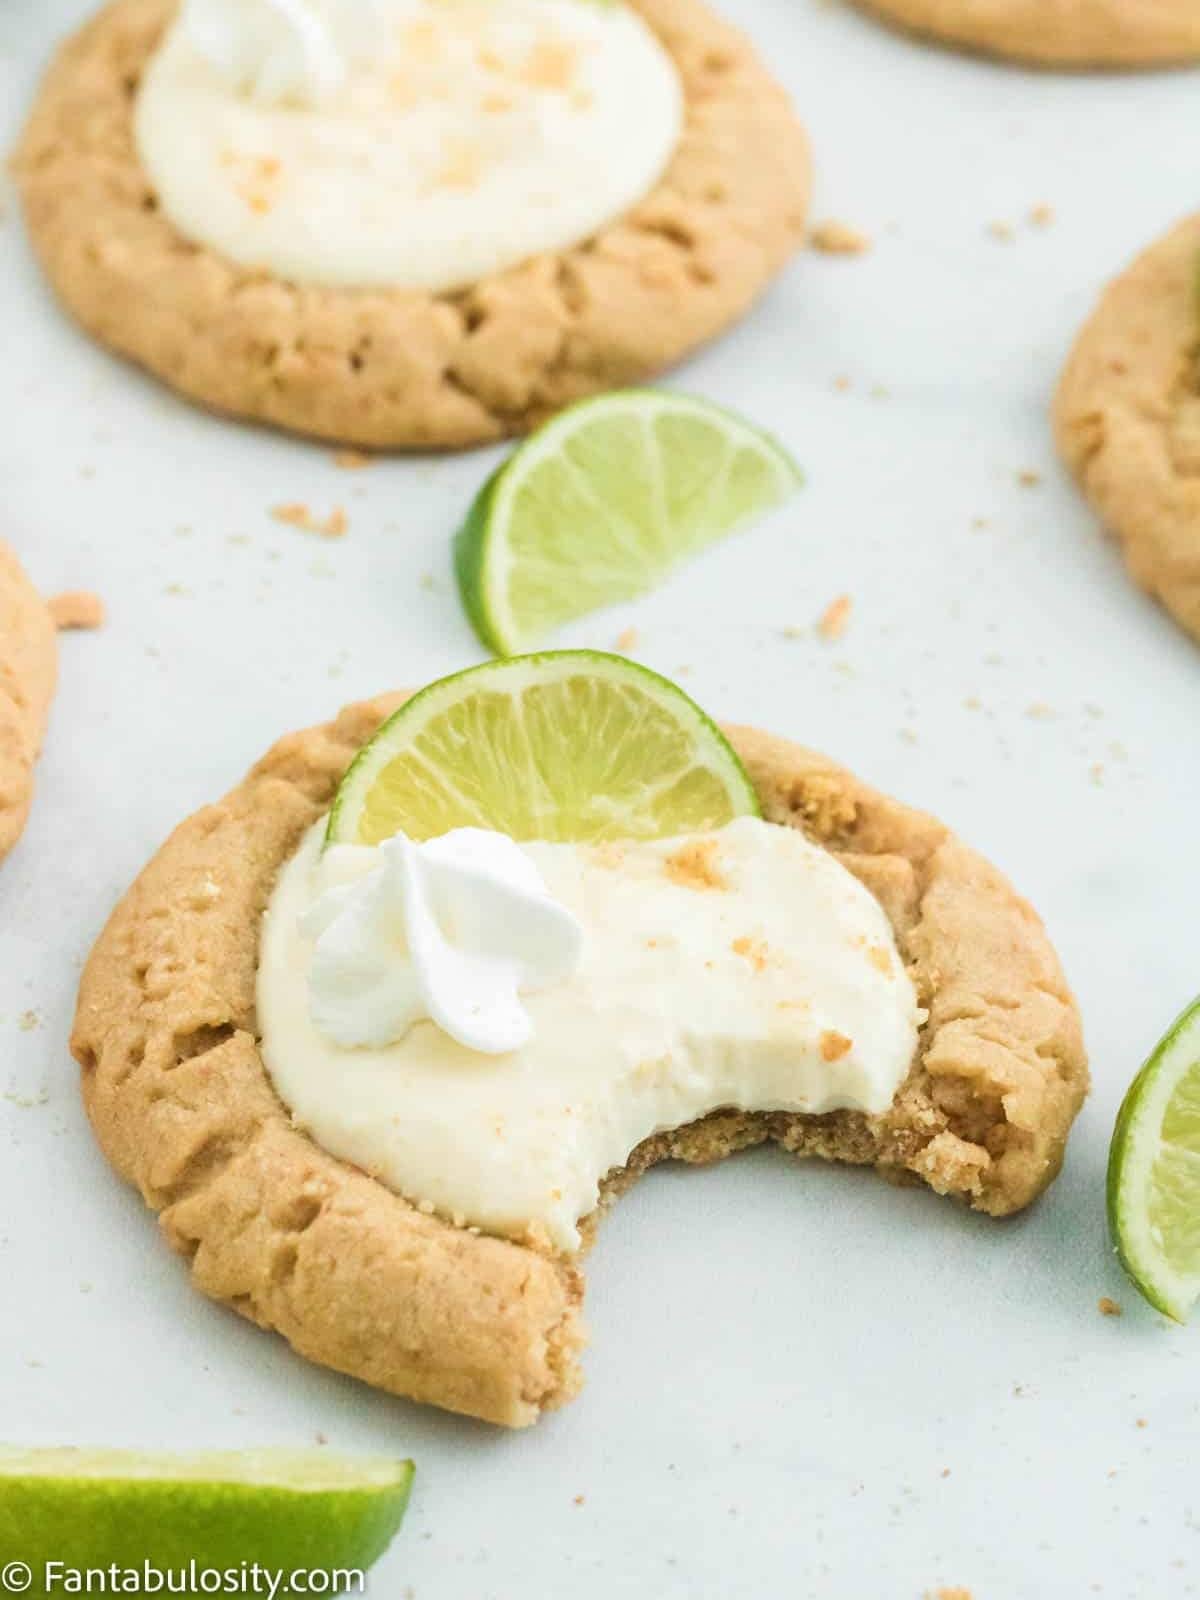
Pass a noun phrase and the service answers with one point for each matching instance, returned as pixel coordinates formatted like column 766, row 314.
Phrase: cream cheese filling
column 420, row 144
column 743, row 968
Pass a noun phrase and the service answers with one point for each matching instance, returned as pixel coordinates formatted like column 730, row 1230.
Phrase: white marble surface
column 802, row 1382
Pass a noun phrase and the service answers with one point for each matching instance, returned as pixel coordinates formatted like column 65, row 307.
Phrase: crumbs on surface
column 835, row 619
column 626, row 641
column 1028, row 479
column 956, row 1593
column 352, row 460
column 1041, row 215
column 297, row 515
column 754, row 950
column 834, row 238
column 694, row 866
column 76, row 608
column 1107, row 1307
column 834, row 1045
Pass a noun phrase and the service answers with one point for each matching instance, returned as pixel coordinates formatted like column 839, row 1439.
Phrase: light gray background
column 802, row 1382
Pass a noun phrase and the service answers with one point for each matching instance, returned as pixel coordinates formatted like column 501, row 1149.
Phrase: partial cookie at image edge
column 358, row 1279
column 1127, row 418
column 28, row 674
column 1069, row 34
column 378, row 369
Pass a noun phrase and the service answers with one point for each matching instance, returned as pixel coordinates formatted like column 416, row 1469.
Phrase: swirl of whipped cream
column 283, row 52
column 453, row 931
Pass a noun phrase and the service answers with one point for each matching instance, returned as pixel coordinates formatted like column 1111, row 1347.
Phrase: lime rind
column 544, row 802
column 285, row 1510
column 1148, row 1144
column 483, row 555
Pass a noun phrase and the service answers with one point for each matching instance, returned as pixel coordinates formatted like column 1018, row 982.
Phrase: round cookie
column 1056, row 33
column 28, row 671
column 357, row 1278
column 1127, row 418
column 383, row 369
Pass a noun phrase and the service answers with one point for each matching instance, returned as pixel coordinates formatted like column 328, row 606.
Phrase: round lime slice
column 1154, row 1172
column 567, row 745
column 284, row 1509
column 602, row 502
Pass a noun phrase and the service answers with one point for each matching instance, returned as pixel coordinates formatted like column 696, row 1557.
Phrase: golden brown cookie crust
column 355, row 1277
column 1056, row 33
column 1127, row 418
column 28, row 670
column 394, row 369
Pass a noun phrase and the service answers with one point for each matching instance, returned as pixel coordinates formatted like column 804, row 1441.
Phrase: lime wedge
column 567, row 745
column 1154, row 1172
column 284, row 1509
column 602, row 502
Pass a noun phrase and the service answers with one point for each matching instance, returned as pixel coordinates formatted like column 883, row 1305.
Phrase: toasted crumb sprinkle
column 834, row 1045
column 694, row 866
column 352, row 460
column 754, row 950
column 626, row 641
column 298, row 515
column 77, row 608
column 1108, row 1308
column 834, row 238
column 880, row 959
column 835, row 619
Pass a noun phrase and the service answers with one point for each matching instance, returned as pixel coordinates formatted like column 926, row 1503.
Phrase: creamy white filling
column 744, row 968
column 404, row 143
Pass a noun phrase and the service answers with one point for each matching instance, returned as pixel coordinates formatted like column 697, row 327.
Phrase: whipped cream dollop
column 403, row 143
column 454, row 931
column 743, row 968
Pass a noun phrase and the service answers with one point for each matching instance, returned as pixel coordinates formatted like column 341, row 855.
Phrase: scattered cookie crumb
column 28, row 1021
column 1041, row 215
column 694, row 867
column 834, row 238
column 626, row 641
column 835, row 619
column 77, row 608
column 1003, row 231
column 352, row 460
column 1028, row 479
column 298, row 515
column 1039, row 711
column 1108, row 1308
column 834, row 1045
column 1142, row 1423
column 579, row 1500
column 754, row 950
column 948, row 1594
column 841, row 384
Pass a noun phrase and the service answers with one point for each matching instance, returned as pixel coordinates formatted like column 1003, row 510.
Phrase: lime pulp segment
column 568, row 745
column 1154, row 1172
column 598, row 505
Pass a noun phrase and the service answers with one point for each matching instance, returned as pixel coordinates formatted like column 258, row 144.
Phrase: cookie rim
column 1100, row 37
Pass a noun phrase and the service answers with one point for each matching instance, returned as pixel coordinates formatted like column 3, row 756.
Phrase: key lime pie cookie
column 409, row 222
column 382, row 1033
column 1057, row 33
column 28, row 672
column 1127, row 418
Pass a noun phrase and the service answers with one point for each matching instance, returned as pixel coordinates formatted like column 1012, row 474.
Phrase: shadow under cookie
column 393, row 368
column 1127, row 418
column 28, row 672
column 359, row 1279
column 1055, row 33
